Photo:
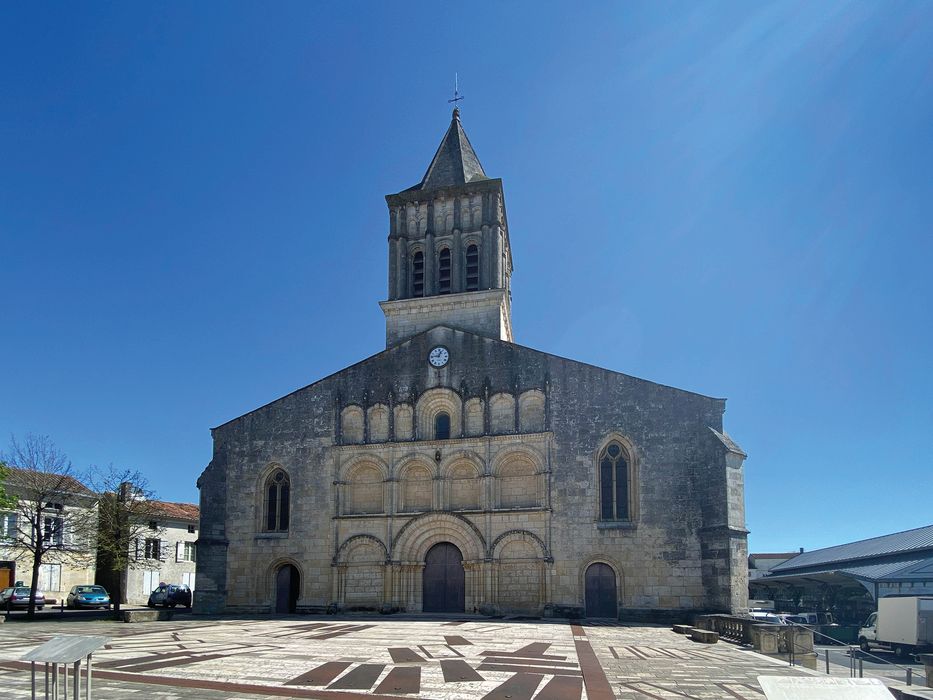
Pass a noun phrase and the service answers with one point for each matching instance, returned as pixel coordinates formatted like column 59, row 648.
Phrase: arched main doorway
column 287, row 585
column 443, row 581
column 601, row 598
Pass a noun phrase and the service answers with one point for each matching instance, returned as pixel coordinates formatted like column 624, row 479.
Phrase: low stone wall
column 147, row 615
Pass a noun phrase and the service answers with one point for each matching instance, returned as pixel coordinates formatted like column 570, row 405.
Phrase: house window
column 153, row 525
column 277, row 502
column 50, row 577
column 53, row 531
column 153, row 549
column 417, row 275
column 190, row 551
column 150, row 581
column 443, row 272
column 613, row 483
column 192, row 529
column 472, row 268
column 442, row 426
column 7, row 526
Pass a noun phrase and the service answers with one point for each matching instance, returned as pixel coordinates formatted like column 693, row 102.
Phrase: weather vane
column 457, row 95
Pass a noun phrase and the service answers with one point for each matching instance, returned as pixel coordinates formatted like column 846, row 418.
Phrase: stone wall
column 679, row 550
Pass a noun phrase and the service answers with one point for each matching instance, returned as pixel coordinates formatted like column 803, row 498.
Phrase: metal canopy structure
column 62, row 652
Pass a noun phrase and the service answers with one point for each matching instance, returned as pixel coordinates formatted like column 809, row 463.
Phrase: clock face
column 439, row 356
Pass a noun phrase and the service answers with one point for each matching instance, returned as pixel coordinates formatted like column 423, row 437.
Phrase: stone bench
column 147, row 615
column 704, row 636
column 682, row 629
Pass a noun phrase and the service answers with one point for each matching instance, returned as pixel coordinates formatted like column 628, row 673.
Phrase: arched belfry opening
column 443, row 583
column 287, row 587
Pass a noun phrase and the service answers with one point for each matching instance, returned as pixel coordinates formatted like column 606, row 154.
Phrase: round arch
column 522, row 452
column 458, row 457
column 433, row 402
column 511, row 535
column 347, row 469
column 422, row 532
column 351, row 543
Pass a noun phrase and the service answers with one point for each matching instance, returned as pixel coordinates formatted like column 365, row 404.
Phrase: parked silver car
column 18, row 597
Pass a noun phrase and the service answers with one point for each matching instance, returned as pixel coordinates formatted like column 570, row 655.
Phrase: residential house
column 164, row 550
column 66, row 511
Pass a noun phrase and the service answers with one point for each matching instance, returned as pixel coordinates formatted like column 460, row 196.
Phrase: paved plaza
column 372, row 657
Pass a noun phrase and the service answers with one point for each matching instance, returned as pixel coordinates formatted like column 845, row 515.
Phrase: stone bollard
column 766, row 638
column 927, row 661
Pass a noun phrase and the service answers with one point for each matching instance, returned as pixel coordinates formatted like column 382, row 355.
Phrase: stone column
column 496, row 262
column 485, row 262
column 393, row 268
column 457, row 264
column 430, row 266
column 402, row 281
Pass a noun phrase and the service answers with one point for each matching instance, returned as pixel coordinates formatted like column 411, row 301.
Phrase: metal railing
column 785, row 639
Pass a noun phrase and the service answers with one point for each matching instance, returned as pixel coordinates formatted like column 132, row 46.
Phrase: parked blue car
column 88, row 597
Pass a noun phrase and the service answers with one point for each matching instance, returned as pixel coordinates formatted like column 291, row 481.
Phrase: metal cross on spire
column 457, row 96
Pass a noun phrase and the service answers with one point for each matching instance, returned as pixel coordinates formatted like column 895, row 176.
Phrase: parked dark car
column 170, row 595
column 18, row 597
column 88, row 596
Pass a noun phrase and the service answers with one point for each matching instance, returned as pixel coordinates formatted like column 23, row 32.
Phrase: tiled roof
column 179, row 511
column 455, row 162
column 918, row 540
column 47, row 481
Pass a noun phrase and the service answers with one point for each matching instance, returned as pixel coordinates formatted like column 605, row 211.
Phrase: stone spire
column 455, row 162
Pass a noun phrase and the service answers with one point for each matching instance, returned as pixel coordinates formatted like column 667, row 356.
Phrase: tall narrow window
column 613, row 483
column 472, row 269
column 442, row 426
column 417, row 275
column 443, row 272
column 277, row 502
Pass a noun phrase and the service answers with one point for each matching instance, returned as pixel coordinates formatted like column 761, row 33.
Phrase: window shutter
column 163, row 549
column 178, row 551
column 136, row 548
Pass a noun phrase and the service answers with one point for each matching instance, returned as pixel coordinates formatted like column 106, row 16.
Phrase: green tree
column 125, row 509
column 6, row 501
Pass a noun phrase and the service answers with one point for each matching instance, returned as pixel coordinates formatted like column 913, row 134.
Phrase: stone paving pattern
column 358, row 657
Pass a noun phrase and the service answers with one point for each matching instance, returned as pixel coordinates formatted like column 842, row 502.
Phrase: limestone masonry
column 459, row 471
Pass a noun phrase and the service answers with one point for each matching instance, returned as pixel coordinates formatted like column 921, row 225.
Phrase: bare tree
column 54, row 520
column 125, row 511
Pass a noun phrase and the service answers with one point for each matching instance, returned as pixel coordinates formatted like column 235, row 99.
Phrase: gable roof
column 46, row 481
column 402, row 347
column 455, row 162
column 178, row 511
column 916, row 540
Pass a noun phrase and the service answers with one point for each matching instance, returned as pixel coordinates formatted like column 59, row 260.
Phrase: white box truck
column 903, row 625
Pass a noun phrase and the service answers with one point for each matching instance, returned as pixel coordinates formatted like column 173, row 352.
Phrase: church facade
column 457, row 471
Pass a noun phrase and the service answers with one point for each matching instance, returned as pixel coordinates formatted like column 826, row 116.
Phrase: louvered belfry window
column 277, row 502
column 472, row 269
column 443, row 272
column 417, row 274
column 613, row 483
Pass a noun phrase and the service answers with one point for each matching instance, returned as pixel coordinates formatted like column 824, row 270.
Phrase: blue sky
column 731, row 198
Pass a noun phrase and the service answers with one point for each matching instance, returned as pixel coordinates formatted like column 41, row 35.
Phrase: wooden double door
column 601, row 597
column 443, row 582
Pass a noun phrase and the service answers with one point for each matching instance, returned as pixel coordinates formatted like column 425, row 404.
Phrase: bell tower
column 450, row 261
